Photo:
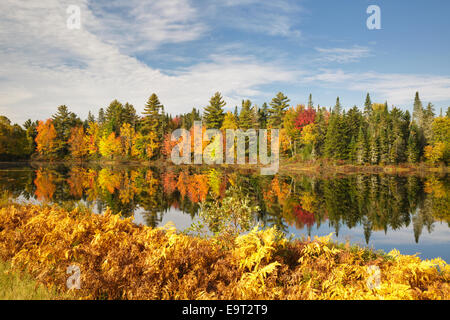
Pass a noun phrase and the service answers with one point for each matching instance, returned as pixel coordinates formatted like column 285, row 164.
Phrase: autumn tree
column 109, row 146
column 78, row 144
column 46, row 143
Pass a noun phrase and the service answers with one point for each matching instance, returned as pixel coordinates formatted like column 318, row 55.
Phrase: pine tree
column 129, row 115
column 310, row 102
column 64, row 121
column 335, row 146
column 413, row 148
column 113, row 117
column 278, row 108
column 214, row 113
column 368, row 106
column 245, row 117
column 90, row 118
column 361, row 147
column 428, row 117
column 152, row 116
column 374, row 152
column 262, row 115
column 101, row 116
column 418, row 110
column 337, row 108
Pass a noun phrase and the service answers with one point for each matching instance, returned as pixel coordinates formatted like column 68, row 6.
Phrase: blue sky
column 186, row 50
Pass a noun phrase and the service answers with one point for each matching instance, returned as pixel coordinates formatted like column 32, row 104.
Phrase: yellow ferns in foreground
column 120, row 260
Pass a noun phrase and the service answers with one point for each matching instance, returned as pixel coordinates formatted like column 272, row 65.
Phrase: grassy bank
column 120, row 260
column 17, row 285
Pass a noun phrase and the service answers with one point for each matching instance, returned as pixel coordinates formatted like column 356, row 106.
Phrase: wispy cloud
column 274, row 18
column 44, row 64
column 395, row 88
column 342, row 55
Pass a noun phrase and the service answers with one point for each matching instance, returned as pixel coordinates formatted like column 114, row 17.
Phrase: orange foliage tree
column 78, row 143
column 46, row 139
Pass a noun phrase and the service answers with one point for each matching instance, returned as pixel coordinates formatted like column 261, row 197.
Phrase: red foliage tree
column 305, row 117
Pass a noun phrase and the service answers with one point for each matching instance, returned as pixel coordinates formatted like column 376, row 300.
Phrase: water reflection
column 368, row 203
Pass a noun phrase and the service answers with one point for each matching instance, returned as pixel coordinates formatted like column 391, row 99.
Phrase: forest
column 374, row 134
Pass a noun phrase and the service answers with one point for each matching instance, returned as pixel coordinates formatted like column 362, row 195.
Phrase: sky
column 186, row 50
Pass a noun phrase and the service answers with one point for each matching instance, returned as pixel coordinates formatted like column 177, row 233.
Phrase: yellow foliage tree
column 109, row 146
column 308, row 135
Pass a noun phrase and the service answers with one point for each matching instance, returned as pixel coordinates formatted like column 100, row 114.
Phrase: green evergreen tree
column 152, row 116
column 263, row 114
column 413, row 148
column 113, row 117
column 337, row 109
column 361, row 147
column 101, row 116
column 246, row 116
column 129, row 115
column 335, row 146
column 310, row 102
column 64, row 121
column 368, row 106
column 214, row 113
column 90, row 118
column 374, row 152
column 278, row 107
column 418, row 110
column 428, row 117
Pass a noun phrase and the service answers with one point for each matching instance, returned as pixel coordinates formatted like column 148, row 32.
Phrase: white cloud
column 44, row 65
column 396, row 88
column 342, row 55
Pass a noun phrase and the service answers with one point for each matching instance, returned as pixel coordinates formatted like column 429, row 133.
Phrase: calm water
column 410, row 213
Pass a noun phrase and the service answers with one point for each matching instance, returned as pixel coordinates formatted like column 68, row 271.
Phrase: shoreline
column 286, row 166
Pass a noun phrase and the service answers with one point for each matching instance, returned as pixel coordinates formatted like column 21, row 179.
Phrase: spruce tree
column 245, row 117
column 152, row 116
column 113, row 117
column 374, row 152
column 129, row 115
column 277, row 110
column 214, row 113
column 428, row 117
column 90, row 118
column 368, row 106
column 310, row 102
column 413, row 148
column 337, row 109
column 418, row 110
column 101, row 116
column 262, row 115
column 361, row 147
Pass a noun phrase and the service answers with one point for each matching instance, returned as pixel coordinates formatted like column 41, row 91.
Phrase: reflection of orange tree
column 277, row 190
column 182, row 183
column 82, row 179
column 198, row 187
column 76, row 182
column 45, row 184
column 169, row 182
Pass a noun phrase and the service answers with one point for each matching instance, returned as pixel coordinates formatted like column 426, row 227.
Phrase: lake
column 408, row 212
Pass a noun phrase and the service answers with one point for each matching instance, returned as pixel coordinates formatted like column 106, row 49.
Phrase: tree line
column 374, row 134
